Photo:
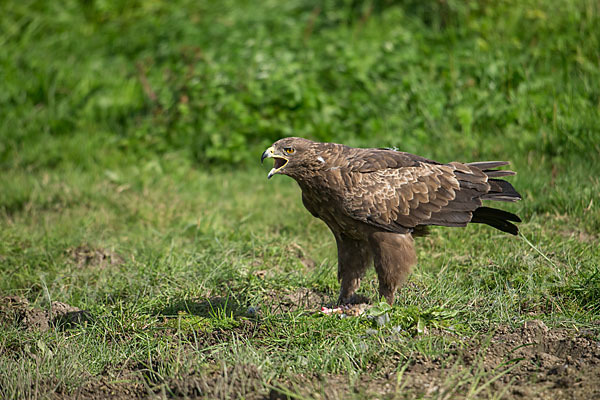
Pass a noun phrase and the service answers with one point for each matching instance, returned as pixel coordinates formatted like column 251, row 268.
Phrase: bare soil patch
column 530, row 362
column 126, row 386
column 556, row 363
column 297, row 300
column 239, row 381
column 86, row 256
column 15, row 309
column 140, row 382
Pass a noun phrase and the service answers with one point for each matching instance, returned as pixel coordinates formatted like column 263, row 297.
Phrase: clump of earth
column 16, row 309
column 93, row 257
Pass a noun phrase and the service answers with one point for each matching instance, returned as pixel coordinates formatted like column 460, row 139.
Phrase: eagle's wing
column 398, row 191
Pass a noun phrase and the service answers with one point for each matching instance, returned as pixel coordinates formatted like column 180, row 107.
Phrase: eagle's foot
column 350, row 283
column 353, row 299
column 387, row 293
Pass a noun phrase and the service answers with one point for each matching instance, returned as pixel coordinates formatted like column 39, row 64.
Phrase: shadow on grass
column 211, row 307
column 271, row 303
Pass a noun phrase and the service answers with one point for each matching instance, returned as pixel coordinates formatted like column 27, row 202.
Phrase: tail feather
column 489, row 212
column 496, row 173
column 482, row 165
column 478, row 181
column 501, row 191
column 496, row 218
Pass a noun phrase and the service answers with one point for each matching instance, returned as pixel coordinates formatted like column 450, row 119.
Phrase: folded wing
column 401, row 193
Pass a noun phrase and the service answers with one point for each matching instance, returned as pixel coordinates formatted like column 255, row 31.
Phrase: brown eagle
column 375, row 201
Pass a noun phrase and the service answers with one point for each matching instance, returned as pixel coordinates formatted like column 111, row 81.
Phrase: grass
column 133, row 130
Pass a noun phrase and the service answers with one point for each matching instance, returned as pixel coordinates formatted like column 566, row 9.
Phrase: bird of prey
column 375, row 200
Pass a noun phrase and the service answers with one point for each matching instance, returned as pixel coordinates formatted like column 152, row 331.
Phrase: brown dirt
column 15, row 309
column 301, row 299
column 527, row 363
column 220, row 382
column 311, row 300
column 91, row 257
column 239, row 381
column 556, row 363
column 127, row 386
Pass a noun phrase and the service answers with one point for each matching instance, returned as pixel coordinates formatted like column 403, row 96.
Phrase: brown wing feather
column 398, row 199
column 372, row 160
column 399, row 192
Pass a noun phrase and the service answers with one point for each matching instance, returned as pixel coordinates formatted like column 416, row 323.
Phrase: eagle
column 375, row 200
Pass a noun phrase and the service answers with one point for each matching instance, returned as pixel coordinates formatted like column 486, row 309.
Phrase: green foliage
column 412, row 319
column 419, row 320
column 93, row 82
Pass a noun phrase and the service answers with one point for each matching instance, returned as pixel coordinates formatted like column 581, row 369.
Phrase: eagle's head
column 292, row 156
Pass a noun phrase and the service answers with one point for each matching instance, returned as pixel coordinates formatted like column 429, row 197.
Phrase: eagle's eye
column 289, row 150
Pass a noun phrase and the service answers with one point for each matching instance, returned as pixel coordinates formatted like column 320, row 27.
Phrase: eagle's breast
column 325, row 196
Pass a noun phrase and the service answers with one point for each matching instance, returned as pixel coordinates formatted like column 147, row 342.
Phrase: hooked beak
column 268, row 153
column 279, row 163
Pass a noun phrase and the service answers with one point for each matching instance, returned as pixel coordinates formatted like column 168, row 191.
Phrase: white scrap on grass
column 328, row 311
column 349, row 310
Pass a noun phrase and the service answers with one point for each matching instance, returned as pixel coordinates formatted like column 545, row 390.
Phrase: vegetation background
column 130, row 135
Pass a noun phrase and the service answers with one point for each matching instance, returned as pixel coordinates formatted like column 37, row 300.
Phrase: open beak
column 279, row 163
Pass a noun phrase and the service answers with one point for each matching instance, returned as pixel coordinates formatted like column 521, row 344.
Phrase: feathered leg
column 394, row 256
column 354, row 258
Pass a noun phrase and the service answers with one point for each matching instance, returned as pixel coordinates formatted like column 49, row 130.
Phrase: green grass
column 135, row 128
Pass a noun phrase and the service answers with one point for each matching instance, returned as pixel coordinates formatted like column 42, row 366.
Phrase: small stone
column 383, row 319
